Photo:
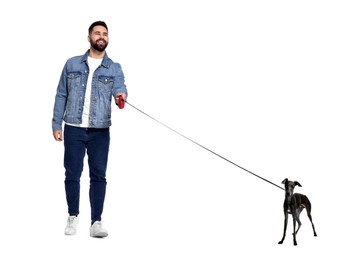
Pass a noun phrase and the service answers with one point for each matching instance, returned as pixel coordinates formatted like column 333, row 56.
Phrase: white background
column 265, row 84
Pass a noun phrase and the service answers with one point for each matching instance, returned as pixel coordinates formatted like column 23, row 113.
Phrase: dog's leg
column 309, row 208
column 285, row 227
column 294, row 217
column 294, row 209
column 311, row 221
column 298, row 212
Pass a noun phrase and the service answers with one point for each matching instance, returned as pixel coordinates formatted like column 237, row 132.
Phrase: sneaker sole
column 99, row 235
column 70, row 232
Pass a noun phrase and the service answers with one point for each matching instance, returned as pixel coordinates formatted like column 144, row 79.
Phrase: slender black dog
column 294, row 204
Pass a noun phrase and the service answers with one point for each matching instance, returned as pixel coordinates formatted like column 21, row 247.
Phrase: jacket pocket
column 105, row 83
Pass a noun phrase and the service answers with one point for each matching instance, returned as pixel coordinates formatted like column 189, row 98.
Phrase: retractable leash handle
column 121, row 102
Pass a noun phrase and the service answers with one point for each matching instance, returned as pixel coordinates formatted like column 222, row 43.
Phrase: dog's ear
column 284, row 181
column 298, row 184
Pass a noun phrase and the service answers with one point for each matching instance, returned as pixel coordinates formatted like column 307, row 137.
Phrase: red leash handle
column 121, row 102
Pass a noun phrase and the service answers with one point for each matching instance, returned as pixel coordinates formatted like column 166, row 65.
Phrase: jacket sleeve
column 60, row 101
column 119, row 83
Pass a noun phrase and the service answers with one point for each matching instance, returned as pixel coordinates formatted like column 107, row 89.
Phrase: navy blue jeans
column 96, row 143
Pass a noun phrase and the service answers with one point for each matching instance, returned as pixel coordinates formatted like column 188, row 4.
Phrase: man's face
column 99, row 38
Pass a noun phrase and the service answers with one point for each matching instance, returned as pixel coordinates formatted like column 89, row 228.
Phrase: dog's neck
column 288, row 196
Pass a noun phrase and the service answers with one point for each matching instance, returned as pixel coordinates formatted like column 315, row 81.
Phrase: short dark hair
column 96, row 24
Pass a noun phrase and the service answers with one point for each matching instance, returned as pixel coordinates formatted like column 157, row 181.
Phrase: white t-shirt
column 93, row 65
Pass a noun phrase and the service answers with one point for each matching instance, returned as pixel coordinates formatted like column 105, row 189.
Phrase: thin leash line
column 189, row 139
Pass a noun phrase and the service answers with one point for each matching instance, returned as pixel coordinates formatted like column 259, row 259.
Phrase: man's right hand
column 58, row 135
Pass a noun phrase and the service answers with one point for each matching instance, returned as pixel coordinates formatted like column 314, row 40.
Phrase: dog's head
column 290, row 186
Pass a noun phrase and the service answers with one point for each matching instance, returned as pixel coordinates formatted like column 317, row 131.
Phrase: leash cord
column 203, row 146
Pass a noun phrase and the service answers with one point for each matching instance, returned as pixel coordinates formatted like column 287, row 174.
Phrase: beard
column 99, row 47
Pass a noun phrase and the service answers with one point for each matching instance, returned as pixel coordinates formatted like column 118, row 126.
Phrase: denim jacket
column 107, row 81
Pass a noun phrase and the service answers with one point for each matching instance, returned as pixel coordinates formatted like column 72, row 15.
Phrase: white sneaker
column 71, row 227
column 97, row 230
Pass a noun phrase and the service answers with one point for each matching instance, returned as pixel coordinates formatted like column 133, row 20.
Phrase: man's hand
column 117, row 97
column 120, row 100
column 58, row 135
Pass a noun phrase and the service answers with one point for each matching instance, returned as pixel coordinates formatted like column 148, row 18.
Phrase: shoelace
column 70, row 221
column 98, row 223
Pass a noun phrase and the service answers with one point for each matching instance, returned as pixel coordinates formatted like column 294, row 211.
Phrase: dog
column 294, row 204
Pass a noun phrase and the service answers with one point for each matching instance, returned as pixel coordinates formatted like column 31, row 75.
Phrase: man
column 83, row 101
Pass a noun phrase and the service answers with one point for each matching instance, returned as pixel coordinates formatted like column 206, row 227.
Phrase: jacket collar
column 105, row 63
